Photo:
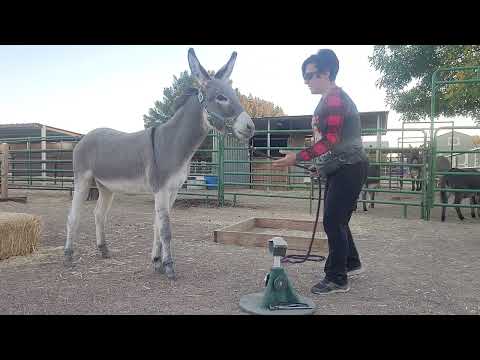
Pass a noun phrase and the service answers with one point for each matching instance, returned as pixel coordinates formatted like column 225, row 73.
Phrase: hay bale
column 19, row 234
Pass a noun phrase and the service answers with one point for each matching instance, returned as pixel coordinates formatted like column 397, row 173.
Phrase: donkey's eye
column 221, row 98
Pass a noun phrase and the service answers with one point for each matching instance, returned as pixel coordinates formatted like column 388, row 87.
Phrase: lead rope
column 295, row 258
column 298, row 259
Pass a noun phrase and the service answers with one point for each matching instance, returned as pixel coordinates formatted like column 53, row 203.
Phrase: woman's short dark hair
column 324, row 60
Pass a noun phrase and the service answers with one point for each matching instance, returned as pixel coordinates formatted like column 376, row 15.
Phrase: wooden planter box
column 257, row 232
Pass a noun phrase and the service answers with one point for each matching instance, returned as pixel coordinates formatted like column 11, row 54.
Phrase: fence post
column 221, row 169
column 4, row 170
column 29, row 164
column 44, row 153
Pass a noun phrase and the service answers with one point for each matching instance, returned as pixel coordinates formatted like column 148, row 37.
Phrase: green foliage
column 164, row 110
column 406, row 75
column 257, row 107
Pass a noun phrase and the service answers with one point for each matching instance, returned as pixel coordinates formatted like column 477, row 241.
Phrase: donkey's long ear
column 225, row 72
column 197, row 70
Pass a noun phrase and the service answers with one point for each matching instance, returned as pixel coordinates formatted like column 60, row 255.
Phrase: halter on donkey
column 155, row 160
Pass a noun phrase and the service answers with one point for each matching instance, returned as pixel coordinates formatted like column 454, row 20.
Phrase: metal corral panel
column 237, row 154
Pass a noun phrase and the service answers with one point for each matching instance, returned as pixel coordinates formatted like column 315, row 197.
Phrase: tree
column 164, row 110
column 406, row 75
column 257, row 107
column 476, row 140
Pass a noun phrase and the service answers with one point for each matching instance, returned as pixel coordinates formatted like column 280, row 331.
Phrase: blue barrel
column 211, row 181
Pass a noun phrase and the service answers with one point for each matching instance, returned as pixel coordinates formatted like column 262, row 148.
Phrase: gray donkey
column 155, row 160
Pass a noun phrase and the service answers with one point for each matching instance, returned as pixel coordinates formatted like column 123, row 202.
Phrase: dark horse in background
column 415, row 157
column 471, row 182
column 373, row 172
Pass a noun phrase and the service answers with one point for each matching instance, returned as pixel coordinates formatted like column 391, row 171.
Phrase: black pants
column 341, row 193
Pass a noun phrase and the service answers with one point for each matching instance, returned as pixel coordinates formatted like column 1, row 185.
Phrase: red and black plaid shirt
column 327, row 124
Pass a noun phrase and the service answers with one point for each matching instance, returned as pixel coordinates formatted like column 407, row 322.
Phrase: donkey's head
column 220, row 100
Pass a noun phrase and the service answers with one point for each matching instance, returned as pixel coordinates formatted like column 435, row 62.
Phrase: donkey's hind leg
column 104, row 204
column 80, row 191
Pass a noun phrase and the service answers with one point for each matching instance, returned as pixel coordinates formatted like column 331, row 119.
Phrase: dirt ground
column 412, row 266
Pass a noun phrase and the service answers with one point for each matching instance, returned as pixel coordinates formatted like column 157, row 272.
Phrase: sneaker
column 355, row 271
column 327, row 287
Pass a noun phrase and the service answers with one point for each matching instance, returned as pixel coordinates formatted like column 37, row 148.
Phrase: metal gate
column 46, row 163
column 472, row 74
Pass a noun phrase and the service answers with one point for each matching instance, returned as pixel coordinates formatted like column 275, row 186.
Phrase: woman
column 336, row 130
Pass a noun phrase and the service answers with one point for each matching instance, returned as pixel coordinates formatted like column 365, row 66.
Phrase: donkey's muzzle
column 243, row 128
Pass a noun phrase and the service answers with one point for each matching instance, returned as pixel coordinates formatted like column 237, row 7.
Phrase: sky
column 80, row 88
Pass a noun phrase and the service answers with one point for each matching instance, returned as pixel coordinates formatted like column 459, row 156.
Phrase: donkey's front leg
column 164, row 235
column 81, row 190
column 104, row 204
column 157, row 249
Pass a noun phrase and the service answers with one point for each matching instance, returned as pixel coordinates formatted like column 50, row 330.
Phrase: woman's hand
column 289, row 160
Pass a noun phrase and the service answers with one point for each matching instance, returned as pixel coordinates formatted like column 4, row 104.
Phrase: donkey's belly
column 129, row 186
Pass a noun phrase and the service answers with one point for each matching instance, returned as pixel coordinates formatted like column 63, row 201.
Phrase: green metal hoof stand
column 279, row 297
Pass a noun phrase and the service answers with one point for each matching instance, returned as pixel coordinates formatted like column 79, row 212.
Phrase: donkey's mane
column 182, row 99
column 179, row 102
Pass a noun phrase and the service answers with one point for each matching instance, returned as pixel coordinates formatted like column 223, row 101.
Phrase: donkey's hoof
column 104, row 252
column 68, row 258
column 158, row 266
column 68, row 261
column 171, row 274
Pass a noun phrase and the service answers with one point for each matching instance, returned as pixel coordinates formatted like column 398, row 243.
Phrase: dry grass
column 19, row 234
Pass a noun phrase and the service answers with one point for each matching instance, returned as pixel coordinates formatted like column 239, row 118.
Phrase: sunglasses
column 309, row 75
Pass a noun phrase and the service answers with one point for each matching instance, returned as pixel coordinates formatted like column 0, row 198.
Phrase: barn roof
column 8, row 131
column 301, row 122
